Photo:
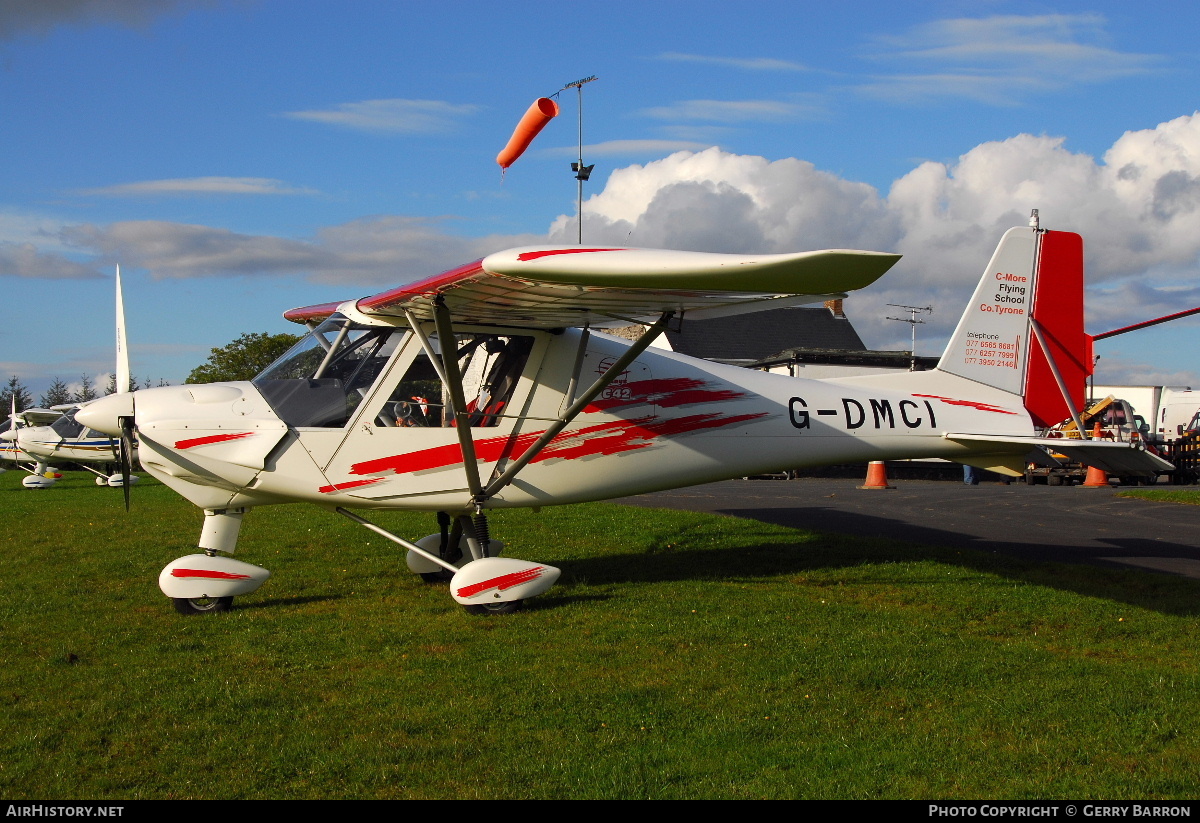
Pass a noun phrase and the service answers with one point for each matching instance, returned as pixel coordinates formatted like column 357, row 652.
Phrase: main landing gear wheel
column 440, row 576
column 507, row 607
column 202, row 605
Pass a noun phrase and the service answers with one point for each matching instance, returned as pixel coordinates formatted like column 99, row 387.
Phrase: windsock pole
column 582, row 172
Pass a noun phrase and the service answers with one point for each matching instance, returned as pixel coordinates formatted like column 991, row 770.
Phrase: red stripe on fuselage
column 602, row 439
column 970, row 403
column 353, row 484
column 666, row 393
column 212, row 438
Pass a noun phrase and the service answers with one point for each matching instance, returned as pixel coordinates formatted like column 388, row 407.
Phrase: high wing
column 41, row 417
column 565, row 286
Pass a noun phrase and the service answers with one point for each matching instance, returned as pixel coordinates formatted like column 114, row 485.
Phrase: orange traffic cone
column 1096, row 478
column 876, row 476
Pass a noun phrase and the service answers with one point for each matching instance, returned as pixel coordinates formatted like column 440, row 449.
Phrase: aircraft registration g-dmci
column 493, row 386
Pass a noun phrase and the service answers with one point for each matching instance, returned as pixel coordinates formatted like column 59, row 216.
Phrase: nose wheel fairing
column 210, row 576
column 493, row 580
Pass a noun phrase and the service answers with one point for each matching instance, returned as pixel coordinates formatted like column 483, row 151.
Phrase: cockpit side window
column 490, row 366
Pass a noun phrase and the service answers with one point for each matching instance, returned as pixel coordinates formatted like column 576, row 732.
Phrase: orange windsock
column 539, row 114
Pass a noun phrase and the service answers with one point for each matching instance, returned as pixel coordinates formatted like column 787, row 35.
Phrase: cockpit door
column 402, row 441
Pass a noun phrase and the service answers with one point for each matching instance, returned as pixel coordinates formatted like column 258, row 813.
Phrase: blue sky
column 241, row 157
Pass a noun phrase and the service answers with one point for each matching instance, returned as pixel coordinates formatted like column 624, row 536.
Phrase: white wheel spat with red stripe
column 500, row 580
column 199, row 575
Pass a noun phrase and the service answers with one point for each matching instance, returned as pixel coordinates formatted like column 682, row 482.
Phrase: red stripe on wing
column 430, row 285
column 536, row 255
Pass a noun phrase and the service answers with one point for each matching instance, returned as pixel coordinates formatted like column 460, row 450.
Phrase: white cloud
column 991, row 89
column 27, row 260
column 614, row 148
column 1001, row 59
column 198, row 185
column 678, row 202
column 748, row 63
column 393, row 116
column 376, row 251
column 43, row 16
column 181, row 250
column 731, row 111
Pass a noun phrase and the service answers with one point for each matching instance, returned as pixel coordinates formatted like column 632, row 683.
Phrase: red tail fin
column 1058, row 313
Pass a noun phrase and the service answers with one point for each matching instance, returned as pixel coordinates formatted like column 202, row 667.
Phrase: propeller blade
column 126, row 456
column 122, row 378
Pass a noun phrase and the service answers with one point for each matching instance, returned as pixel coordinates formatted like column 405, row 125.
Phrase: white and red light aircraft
column 487, row 387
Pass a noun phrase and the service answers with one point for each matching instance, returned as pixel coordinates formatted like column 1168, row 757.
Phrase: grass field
column 1166, row 494
column 681, row 656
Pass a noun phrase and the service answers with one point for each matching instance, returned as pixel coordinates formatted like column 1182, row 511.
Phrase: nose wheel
column 507, row 607
column 202, row 605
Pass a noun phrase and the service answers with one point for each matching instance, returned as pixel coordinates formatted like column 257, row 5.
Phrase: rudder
column 1058, row 315
column 1030, row 296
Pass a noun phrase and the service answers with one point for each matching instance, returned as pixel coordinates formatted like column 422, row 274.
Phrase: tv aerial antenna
column 912, row 320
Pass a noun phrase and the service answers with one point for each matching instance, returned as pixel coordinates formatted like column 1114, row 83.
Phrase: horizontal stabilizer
column 1109, row 456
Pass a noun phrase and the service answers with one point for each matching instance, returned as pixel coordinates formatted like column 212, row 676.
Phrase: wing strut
column 1058, row 378
column 611, row 374
column 453, row 380
column 447, row 369
column 584, row 336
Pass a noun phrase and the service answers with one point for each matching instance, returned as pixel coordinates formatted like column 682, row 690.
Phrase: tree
column 14, row 388
column 57, row 394
column 244, row 358
column 86, row 390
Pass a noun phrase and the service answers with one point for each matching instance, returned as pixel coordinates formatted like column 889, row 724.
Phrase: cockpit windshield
column 66, row 427
column 321, row 380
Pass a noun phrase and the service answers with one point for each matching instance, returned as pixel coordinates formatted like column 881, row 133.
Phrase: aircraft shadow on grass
column 891, row 540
